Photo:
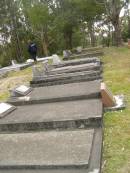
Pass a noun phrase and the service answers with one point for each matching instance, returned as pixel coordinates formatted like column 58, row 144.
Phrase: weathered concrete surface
column 77, row 62
column 92, row 49
column 66, row 78
column 76, row 68
column 55, row 93
column 85, row 55
column 94, row 161
column 16, row 67
column 46, row 149
column 57, row 115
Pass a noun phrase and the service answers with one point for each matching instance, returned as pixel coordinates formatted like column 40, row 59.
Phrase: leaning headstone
column 66, row 54
column 21, row 90
column 5, row 109
column 40, row 70
column 56, row 59
column 14, row 62
column 107, row 97
column 79, row 49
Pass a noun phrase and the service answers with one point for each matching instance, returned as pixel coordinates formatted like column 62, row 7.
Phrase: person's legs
column 34, row 57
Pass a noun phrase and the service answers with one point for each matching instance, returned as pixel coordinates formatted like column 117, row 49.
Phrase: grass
column 116, row 154
column 12, row 80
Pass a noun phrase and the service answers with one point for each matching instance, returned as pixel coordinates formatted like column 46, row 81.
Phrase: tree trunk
column 44, row 40
column 45, row 47
column 68, row 39
column 91, row 32
column 117, row 33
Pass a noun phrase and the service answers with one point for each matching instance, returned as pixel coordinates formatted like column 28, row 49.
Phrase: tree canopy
column 56, row 25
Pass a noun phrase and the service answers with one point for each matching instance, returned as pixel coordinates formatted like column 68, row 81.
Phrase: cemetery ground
column 116, row 152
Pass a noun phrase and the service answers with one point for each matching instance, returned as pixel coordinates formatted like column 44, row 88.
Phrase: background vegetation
column 56, row 25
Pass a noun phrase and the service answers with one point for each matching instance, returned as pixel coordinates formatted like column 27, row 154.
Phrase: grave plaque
column 22, row 90
column 5, row 108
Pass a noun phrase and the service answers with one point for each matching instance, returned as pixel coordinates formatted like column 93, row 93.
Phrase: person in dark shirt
column 32, row 49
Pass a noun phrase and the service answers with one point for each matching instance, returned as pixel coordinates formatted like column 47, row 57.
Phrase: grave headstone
column 107, row 97
column 79, row 49
column 56, row 59
column 40, row 70
column 14, row 62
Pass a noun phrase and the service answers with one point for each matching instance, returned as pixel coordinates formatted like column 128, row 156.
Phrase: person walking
column 32, row 49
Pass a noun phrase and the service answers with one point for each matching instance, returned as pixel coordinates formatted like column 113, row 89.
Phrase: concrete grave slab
column 94, row 160
column 85, row 55
column 53, row 149
column 66, row 78
column 57, row 115
column 55, row 93
column 76, row 68
column 5, row 109
column 77, row 62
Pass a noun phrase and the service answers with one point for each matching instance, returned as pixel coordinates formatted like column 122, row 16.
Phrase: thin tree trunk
column 68, row 39
column 45, row 47
column 91, row 32
column 117, row 33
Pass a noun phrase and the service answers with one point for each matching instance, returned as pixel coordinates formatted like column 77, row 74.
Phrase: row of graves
column 56, row 124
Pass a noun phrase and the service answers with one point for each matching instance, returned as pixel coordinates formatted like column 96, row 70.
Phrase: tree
column 90, row 11
column 113, row 9
column 39, row 17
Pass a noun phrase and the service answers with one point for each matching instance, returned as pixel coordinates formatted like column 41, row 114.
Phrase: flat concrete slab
column 57, row 115
column 55, row 93
column 46, row 149
column 76, row 68
column 85, row 55
column 77, row 62
column 66, row 78
column 94, row 160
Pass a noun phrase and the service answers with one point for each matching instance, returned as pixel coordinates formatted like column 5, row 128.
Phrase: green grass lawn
column 116, row 154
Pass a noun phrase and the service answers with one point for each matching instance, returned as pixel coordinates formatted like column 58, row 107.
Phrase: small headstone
column 14, row 62
column 22, row 90
column 107, row 97
column 45, row 66
column 38, row 71
column 5, row 108
column 56, row 59
column 30, row 61
column 66, row 54
column 79, row 49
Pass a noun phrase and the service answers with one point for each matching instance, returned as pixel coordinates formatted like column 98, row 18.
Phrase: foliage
column 56, row 25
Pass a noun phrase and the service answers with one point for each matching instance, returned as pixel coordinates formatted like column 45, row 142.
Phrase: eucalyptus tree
column 90, row 11
column 113, row 9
